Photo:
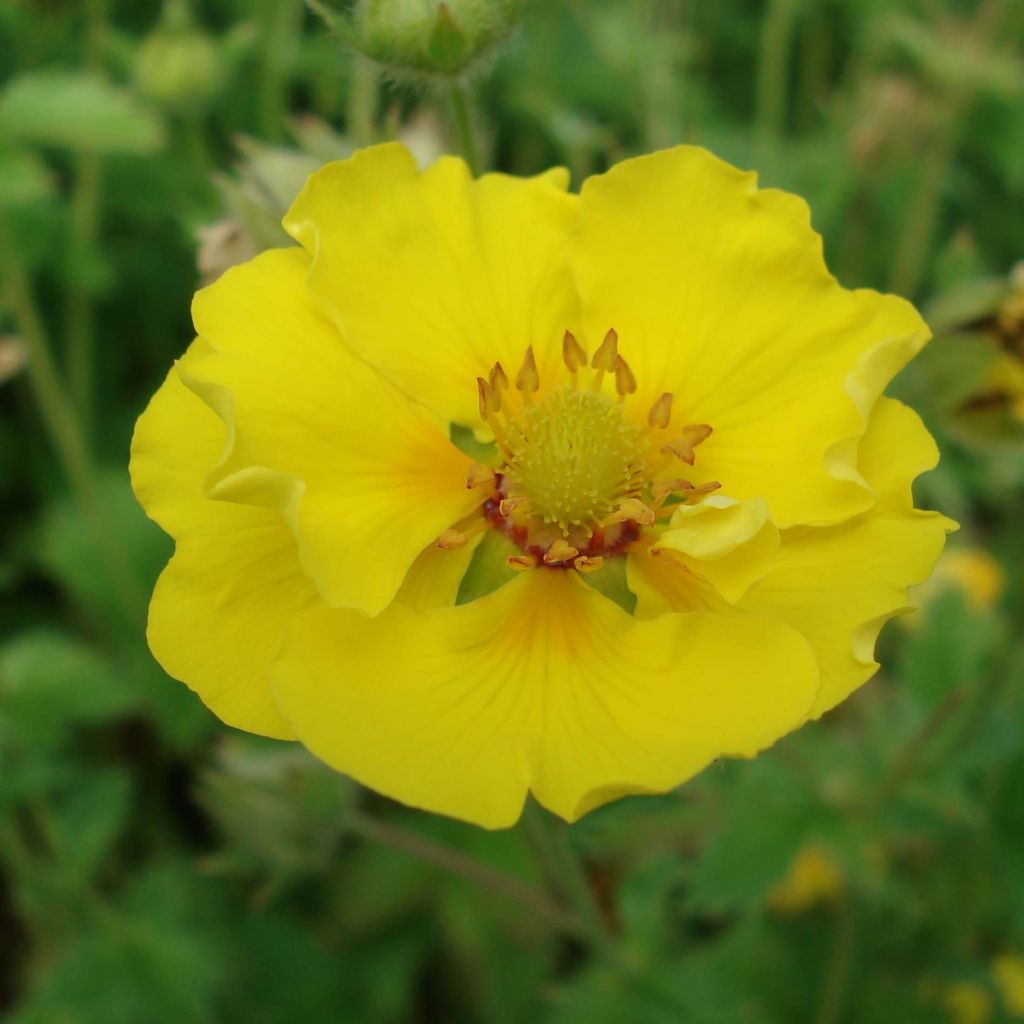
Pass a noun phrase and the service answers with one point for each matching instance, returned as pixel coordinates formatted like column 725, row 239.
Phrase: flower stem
column 559, row 862
column 457, row 863
column 837, row 973
column 773, row 65
column 61, row 423
column 459, row 100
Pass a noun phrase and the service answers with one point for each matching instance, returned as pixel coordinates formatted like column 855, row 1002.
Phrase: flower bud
column 430, row 36
column 178, row 65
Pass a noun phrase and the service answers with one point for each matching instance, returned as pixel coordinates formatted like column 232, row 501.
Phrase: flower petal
column 365, row 478
column 839, row 585
column 542, row 685
column 220, row 606
column 720, row 295
column 728, row 543
column 432, row 276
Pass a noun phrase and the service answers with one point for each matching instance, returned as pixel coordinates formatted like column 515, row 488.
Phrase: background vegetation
column 158, row 868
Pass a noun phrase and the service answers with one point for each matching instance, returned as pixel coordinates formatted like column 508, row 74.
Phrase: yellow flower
column 967, row 1003
column 685, row 518
column 813, row 877
column 971, row 569
column 1008, row 973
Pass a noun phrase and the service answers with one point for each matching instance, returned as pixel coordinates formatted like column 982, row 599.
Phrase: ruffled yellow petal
column 365, row 478
column 839, row 585
column 729, row 544
column 542, row 685
column 220, row 606
column 433, row 276
column 720, row 295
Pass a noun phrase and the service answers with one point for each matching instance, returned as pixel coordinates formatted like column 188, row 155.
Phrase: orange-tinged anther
column 702, row 489
column 604, row 359
column 682, row 447
column 478, row 475
column 633, row 510
column 485, row 393
column 498, row 379
column 560, row 551
column 520, row 562
column 661, row 489
column 573, row 352
column 528, row 379
column 661, row 412
column 586, row 564
column 625, row 382
column 508, row 505
column 451, row 540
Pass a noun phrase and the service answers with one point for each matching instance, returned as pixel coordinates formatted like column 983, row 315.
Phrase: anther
column 682, row 447
column 587, row 564
column 478, row 475
column 633, row 510
column 490, row 403
column 661, row 412
column 521, row 562
column 560, row 551
column 573, row 354
column 625, row 382
column 508, row 505
column 528, row 379
column 604, row 358
column 451, row 540
column 498, row 380
column 661, row 489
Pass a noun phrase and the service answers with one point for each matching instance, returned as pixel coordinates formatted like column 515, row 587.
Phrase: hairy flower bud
column 178, row 65
column 430, row 37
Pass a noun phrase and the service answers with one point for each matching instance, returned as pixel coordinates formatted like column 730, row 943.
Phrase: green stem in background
column 549, row 838
column 912, row 255
column 840, row 963
column 85, row 205
column 459, row 100
column 61, row 423
column 772, row 69
column 283, row 24
column 362, row 101
column 457, row 863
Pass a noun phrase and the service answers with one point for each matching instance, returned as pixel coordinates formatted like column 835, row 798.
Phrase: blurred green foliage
column 156, row 868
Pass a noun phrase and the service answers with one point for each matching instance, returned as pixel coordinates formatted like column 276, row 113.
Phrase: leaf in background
column 24, row 178
column 77, row 111
column 50, row 682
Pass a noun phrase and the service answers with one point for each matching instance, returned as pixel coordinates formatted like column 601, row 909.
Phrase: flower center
column 575, row 457
column 578, row 476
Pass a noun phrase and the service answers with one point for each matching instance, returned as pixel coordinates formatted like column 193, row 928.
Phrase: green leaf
column 24, row 178
column 77, row 111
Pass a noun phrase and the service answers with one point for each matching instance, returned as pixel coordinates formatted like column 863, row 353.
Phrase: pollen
column 575, row 457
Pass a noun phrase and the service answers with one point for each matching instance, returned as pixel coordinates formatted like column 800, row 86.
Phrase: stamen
column 528, row 379
column 625, row 382
column 521, row 562
column 452, row 539
column 661, row 412
column 490, row 404
column 508, row 505
column 587, row 564
column 604, row 359
column 573, row 355
column 682, row 447
column 498, row 381
column 632, row 510
column 478, row 475
column 560, row 551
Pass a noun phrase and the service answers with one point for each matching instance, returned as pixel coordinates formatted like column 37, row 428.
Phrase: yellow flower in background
column 813, row 877
column 489, row 488
column 967, row 1003
column 974, row 571
column 1008, row 974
